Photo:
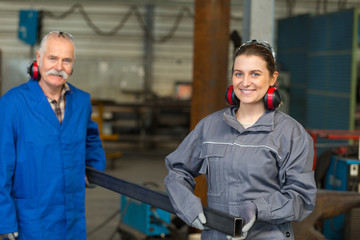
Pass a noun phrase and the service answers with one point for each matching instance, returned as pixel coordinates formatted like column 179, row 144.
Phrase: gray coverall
column 269, row 163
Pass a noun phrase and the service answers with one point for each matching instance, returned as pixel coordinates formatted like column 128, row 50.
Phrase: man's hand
column 9, row 236
column 88, row 184
column 199, row 222
column 248, row 212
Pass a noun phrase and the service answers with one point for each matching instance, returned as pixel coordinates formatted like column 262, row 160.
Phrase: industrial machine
column 144, row 218
column 343, row 175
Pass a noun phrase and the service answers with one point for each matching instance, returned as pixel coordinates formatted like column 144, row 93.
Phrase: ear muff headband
column 272, row 98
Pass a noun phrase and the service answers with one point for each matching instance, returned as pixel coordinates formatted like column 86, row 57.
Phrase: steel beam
column 215, row 219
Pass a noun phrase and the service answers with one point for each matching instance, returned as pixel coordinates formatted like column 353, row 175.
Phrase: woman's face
column 251, row 79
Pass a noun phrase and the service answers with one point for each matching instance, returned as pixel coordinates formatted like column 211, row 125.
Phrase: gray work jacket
column 269, row 163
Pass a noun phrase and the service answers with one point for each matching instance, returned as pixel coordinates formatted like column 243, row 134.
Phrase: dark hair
column 258, row 48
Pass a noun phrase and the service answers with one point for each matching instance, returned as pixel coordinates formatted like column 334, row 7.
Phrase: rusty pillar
column 211, row 52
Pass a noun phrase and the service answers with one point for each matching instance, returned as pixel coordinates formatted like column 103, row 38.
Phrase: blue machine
column 144, row 218
column 342, row 175
column 29, row 24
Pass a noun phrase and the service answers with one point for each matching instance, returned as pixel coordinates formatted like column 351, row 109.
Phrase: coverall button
column 287, row 234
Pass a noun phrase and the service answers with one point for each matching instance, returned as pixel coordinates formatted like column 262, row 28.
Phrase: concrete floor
column 136, row 165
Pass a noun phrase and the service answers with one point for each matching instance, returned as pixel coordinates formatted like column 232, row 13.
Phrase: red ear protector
column 272, row 98
column 33, row 70
column 230, row 96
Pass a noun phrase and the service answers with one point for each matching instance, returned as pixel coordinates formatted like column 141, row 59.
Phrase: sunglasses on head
column 260, row 43
column 63, row 34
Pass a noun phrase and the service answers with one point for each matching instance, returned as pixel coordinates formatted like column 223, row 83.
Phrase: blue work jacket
column 42, row 163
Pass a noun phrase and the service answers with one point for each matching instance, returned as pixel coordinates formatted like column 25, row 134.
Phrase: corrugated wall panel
column 292, row 57
column 325, row 67
column 331, row 70
column 105, row 65
column 173, row 58
column 111, row 64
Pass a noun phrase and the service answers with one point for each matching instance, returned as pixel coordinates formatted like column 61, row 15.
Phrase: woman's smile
column 247, row 91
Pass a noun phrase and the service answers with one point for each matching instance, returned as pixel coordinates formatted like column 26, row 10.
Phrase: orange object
column 332, row 134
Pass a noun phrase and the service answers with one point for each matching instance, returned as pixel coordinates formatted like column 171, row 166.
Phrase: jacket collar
column 37, row 93
column 42, row 106
column 264, row 123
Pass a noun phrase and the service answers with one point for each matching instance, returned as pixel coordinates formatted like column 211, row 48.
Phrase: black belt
column 215, row 219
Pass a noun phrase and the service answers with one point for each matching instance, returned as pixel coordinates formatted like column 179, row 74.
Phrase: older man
column 47, row 139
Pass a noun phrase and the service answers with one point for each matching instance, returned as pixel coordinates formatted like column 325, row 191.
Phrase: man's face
column 57, row 59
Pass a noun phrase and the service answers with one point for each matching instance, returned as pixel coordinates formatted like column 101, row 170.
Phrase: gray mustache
column 57, row 73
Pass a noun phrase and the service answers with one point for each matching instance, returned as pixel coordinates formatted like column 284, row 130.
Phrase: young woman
column 258, row 160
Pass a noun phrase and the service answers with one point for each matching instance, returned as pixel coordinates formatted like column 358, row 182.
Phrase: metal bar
column 215, row 219
column 223, row 222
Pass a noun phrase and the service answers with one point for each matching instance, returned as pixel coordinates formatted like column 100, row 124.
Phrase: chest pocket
column 213, row 167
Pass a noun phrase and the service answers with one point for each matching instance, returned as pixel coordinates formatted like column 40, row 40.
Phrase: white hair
column 44, row 42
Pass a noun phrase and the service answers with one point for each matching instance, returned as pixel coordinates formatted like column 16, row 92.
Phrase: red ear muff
column 33, row 71
column 231, row 97
column 272, row 98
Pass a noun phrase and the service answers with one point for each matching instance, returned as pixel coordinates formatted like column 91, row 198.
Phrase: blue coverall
column 42, row 163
